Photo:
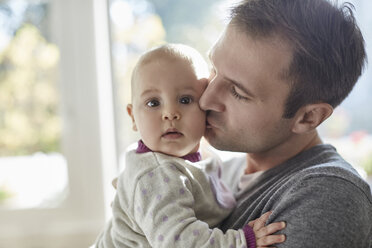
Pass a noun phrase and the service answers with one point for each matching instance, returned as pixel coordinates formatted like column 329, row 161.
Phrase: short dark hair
column 328, row 47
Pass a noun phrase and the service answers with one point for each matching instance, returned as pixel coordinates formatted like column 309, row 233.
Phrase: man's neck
column 269, row 159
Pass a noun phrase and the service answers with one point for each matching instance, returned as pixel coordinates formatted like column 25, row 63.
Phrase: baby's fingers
column 115, row 183
column 260, row 222
column 270, row 240
column 270, row 229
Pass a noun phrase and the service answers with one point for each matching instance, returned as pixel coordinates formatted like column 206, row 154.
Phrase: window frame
column 81, row 31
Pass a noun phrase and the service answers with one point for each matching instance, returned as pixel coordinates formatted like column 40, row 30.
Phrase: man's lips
column 209, row 124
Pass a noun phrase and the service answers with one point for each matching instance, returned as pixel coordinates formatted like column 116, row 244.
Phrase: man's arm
column 325, row 212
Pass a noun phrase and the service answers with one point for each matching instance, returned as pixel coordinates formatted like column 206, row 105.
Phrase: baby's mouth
column 172, row 134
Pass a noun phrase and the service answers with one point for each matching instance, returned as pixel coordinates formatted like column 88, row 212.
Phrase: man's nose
column 213, row 97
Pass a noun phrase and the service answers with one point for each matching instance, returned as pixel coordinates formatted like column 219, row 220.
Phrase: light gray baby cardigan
column 163, row 201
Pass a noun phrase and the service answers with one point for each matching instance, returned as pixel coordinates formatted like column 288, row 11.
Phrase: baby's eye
column 185, row 100
column 153, row 103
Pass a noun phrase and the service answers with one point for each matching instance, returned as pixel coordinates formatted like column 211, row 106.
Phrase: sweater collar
column 192, row 157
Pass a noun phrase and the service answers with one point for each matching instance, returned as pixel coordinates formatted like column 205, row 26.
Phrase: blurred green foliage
column 29, row 120
column 367, row 164
column 4, row 195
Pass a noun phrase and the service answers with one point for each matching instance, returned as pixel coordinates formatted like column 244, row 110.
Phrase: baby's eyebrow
column 189, row 88
column 149, row 91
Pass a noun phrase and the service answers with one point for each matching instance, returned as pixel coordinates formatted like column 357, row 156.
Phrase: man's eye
column 185, row 100
column 153, row 103
column 236, row 94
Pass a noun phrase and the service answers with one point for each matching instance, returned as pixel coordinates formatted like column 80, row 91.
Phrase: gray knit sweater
column 323, row 200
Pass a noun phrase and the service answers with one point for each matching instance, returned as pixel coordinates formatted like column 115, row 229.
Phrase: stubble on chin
column 222, row 143
column 208, row 135
column 212, row 138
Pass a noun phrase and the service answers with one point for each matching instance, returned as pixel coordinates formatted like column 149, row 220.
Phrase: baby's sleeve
column 163, row 209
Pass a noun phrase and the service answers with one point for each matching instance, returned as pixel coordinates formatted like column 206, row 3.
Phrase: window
column 30, row 124
column 55, row 124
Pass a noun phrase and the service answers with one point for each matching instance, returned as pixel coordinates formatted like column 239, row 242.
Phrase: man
column 279, row 70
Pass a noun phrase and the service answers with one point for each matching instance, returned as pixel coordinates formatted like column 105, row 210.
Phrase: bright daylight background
column 37, row 108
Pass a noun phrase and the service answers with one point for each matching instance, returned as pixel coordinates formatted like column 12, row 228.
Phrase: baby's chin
column 176, row 151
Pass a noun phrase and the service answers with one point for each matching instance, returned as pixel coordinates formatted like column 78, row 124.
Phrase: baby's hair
column 174, row 51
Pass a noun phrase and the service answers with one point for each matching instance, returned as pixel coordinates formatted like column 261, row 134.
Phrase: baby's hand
column 263, row 233
column 115, row 183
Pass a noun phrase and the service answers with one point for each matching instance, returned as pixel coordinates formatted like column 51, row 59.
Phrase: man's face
column 166, row 108
column 246, row 94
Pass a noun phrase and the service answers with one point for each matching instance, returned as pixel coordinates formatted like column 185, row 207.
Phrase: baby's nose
column 171, row 115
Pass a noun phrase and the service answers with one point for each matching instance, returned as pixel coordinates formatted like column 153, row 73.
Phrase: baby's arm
column 164, row 210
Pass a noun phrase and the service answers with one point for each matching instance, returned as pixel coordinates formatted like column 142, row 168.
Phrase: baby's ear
column 130, row 113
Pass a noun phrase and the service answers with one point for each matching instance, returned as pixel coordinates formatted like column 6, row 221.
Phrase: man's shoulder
column 318, row 169
column 331, row 178
column 319, row 161
column 340, row 169
column 333, row 167
column 326, row 200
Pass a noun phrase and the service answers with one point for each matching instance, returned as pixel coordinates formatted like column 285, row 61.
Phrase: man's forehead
column 223, row 40
column 234, row 39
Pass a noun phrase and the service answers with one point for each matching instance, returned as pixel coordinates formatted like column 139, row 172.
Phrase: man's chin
column 221, row 143
column 209, row 135
column 212, row 138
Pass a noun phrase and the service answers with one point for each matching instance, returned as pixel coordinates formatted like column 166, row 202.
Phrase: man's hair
column 328, row 47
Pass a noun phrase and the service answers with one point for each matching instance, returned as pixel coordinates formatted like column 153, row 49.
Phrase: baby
column 167, row 196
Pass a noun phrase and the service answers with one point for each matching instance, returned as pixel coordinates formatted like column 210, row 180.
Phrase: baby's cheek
column 149, row 136
column 199, row 124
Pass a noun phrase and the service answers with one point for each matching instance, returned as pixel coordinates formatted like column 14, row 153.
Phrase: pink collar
column 192, row 157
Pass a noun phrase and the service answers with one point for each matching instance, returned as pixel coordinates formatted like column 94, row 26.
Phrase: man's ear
column 130, row 113
column 311, row 116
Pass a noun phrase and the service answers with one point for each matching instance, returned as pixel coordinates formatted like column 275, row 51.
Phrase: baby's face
column 166, row 108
